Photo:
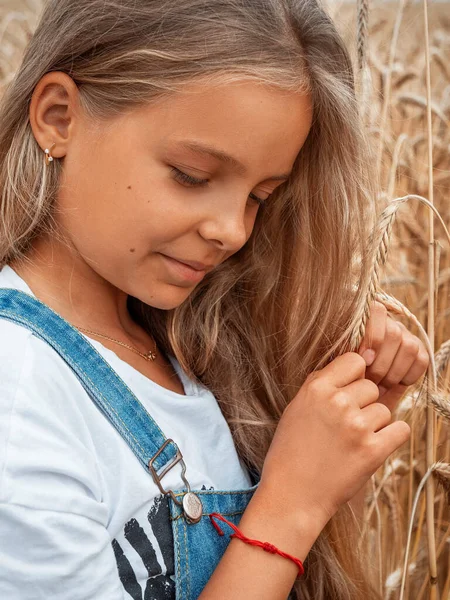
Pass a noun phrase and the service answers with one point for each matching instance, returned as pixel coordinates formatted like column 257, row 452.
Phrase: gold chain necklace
column 150, row 355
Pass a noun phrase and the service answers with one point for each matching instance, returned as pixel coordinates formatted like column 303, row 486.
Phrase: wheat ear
column 380, row 240
column 442, row 357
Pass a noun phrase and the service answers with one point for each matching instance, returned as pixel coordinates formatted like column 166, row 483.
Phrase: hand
column 400, row 357
column 331, row 438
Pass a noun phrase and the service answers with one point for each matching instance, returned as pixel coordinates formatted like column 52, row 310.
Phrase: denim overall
column 197, row 546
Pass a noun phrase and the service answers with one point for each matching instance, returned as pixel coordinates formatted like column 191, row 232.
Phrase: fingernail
column 382, row 389
column 369, row 356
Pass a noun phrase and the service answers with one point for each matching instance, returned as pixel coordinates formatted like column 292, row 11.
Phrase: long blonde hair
column 285, row 304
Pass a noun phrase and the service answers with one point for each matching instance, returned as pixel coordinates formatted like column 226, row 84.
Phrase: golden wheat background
column 393, row 96
column 393, row 100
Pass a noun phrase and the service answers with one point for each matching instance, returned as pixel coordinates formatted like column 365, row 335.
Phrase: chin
column 169, row 299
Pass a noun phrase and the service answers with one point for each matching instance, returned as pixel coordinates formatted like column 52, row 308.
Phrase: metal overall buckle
column 191, row 503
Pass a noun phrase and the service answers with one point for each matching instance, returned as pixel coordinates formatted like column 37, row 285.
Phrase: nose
column 228, row 227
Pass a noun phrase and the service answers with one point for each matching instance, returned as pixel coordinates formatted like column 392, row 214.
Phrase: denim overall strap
column 106, row 388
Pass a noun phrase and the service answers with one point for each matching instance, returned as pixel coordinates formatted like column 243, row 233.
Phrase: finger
column 343, row 369
column 364, row 391
column 418, row 368
column 378, row 415
column 375, row 328
column 390, row 438
column 390, row 398
column 386, row 354
column 403, row 360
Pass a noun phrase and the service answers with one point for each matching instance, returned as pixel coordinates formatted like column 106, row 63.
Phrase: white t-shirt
column 80, row 519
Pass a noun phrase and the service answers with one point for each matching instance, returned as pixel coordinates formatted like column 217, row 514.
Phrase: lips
column 197, row 266
column 183, row 271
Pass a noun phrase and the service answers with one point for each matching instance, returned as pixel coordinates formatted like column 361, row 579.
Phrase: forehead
column 234, row 123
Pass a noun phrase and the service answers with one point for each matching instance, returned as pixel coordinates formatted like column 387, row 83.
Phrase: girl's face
column 129, row 204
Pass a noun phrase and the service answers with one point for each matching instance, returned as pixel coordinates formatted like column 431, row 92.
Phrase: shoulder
column 33, row 372
column 45, row 441
column 13, row 344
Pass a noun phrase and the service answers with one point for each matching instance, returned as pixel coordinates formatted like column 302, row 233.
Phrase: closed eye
column 183, row 177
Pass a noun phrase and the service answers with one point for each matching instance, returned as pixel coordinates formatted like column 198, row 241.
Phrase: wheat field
column 393, row 99
column 394, row 104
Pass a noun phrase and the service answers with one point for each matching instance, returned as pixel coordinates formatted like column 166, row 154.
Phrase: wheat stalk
column 388, row 82
column 424, row 480
column 430, row 448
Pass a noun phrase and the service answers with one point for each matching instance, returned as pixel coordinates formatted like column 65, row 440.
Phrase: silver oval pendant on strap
column 192, row 507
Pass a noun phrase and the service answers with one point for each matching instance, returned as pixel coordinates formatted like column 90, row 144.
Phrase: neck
column 74, row 290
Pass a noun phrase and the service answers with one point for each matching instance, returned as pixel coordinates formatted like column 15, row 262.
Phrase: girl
column 186, row 201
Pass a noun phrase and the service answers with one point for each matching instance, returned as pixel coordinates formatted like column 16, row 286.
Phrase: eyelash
column 179, row 175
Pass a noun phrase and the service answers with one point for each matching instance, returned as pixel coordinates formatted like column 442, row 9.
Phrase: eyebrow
column 240, row 168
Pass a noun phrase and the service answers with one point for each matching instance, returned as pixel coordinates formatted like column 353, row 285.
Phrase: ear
column 54, row 110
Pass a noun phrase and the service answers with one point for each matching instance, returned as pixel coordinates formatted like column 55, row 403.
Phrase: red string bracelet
column 264, row 545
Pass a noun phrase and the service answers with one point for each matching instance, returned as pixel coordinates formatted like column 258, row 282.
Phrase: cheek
column 251, row 218
column 119, row 212
column 152, row 202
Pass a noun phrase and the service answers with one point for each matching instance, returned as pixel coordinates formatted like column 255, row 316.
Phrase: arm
column 357, row 503
column 247, row 572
